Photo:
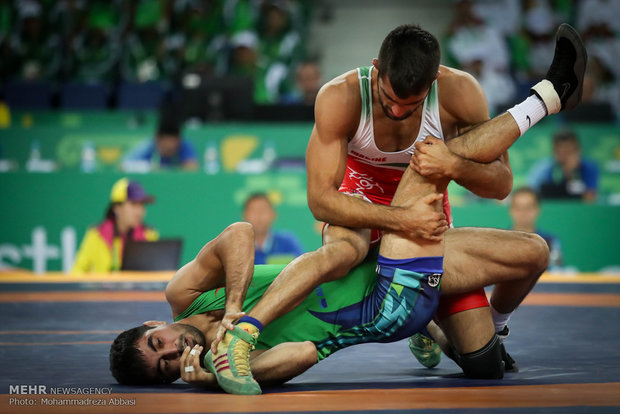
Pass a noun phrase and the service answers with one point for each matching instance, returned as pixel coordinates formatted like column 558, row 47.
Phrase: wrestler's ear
column 375, row 63
column 154, row 323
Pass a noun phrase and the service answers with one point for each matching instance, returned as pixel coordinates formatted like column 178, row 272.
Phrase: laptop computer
column 164, row 254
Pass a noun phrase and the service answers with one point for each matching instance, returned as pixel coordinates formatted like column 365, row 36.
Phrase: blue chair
column 84, row 96
column 146, row 95
column 28, row 95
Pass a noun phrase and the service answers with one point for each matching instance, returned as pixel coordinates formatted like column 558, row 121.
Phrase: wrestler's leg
column 409, row 272
column 282, row 362
column 477, row 257
column 411, row 188
column 343, row 249
column 562, row 89
column 469, row 330
column 438, row 335
column 469, row 338
column 480, row 257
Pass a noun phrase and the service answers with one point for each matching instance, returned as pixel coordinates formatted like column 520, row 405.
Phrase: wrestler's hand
column 192, row 372
column 424, row 221
column 433, row 159
column 225, row 325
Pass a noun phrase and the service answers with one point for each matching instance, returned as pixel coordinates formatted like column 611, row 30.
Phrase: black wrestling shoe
column 510, row 365
column 562, row 87
column 503, row 334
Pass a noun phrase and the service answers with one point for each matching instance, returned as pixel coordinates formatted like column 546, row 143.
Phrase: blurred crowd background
column 506, row 44
column 207, row 103
column 114, row 42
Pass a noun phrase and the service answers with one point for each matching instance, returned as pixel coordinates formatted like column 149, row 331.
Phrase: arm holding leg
column 226, row 260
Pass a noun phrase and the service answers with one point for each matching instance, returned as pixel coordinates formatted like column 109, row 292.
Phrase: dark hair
column 565, row 135
column 168, row 128
column 256, row 196
column 169, row 120
column 126, row 363
column 110, row 215
column 409, row 56
column 527, row 190
column 109, row 211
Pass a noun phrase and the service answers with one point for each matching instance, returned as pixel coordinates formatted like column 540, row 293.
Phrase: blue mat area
column 551, row 344
column 70, row 341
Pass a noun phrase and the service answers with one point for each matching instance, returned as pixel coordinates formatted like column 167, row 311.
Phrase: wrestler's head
column 150, row 353
column 408, row 64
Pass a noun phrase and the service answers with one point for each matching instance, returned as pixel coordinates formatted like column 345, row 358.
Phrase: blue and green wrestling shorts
column 403, row 301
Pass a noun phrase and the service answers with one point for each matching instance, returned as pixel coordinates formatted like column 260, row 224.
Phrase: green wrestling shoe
column 231, row 363
column 425, row 350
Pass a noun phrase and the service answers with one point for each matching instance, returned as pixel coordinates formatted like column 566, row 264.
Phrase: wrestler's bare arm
column 226, row 260
column 465, row 105
column 337, row 112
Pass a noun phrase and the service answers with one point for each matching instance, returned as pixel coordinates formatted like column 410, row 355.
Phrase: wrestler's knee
column 347, row 245
column 338, row 257
column 485, row 363
column 308, row 353
column 240, row 227
column 537, row 252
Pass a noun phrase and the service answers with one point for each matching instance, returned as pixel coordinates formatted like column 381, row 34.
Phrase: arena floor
column 57, row 334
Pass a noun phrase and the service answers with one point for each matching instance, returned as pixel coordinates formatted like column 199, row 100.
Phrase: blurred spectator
column 153, row 40
column 67, row 18
column 600, row 29
column 567, row 175
column 601, row 85
column 470, row 38
column 524, row 212
column 497, row 85
column 533, row 47
column 117, row 12
column 201, row 37
column 272, row 247
column 145, row 56
column 102, row 247
column 8, row 60
column 269, row 78
column 168, row 149
column 307, row 84
column 36, row 52
column 503, row 15
column 7, row 18
column 96, row 51
column 480, row 49
column 240, row 15
column 278, row 41
column 598, row 17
